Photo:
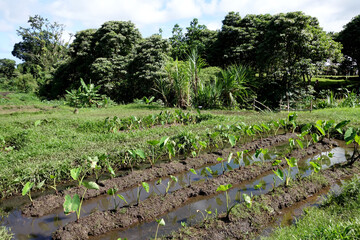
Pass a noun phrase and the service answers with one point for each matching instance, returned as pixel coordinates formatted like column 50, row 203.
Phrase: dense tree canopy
column 350, row 39
column 7, row 68
column 42, row 43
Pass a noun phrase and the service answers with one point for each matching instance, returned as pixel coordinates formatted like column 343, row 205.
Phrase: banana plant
column 74, row 204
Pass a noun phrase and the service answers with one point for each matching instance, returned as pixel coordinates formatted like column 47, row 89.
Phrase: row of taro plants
column 323, row 128
column 117, row 124
column 190, row 144
column 314, row 133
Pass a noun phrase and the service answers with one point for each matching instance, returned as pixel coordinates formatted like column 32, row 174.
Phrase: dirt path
column 101, row 222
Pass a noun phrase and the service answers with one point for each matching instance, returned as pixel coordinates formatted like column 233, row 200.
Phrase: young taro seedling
column 315, row 166
column 172, row 179
column 26, row 190
column 54, row 184
column 147, row 189
column 352, row 136
column 225, row 188
column 248, row 200
column 74, row 204
column 112, row 192
column 261, row 185
column 194, row 172
column 160, row 222
column 292, row 162
column 208, row 213
column 133, row 155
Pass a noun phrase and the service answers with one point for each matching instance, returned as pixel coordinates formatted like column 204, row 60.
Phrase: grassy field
column 50, row 139
column 337, row 218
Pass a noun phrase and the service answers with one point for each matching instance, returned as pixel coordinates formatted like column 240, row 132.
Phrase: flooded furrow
column 198, row 208
column 42, row 227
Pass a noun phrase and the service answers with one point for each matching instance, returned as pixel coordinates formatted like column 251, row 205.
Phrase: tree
column 42, row 44
column 350, row 39
column 7, row 68
column 148, row 65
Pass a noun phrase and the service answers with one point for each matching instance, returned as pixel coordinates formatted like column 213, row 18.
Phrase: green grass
column 337, row 218
column 64, row 139
column 5, row 233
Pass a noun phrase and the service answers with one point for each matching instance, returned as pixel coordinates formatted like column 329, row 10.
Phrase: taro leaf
column 300, row 143
column 276, row 162
column 232, row 140
column 257, row 152
column 75, row 173
column 193, row 153
column 258, row 128
column 219, row 159
column 275, row 123
column 330, row 155
column 161, row 222
column 357, row 139
column 229, row 167
column 163, row 141
column 158, row 181
column 292, row 117
column 340, row 125
column 93, row 161
column 111, row 191
column 40, row 184
column 111, row 171
column 171, row 150
column 193, row 171
column 52, row 176
column 292, row 162
column 145, row 186
column 279, row 173
column 329, row 124
column 202, row 144
column 173, row 178
column 229, row 157
column 306, row 128
column 319, row 127
column 90, row 185
column 261, row 185
column 153, row 142
column 71, row 204
column 315, row 166
column 209, row 170
column 247, row 200
column 224, row 188
column 122, row 198
column 349, row 135
column 266, row 127
column 282, row 122
column 27, row 188
column 315, row 137
column 140, row 153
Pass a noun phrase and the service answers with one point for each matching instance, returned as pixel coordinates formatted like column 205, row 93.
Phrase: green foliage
column 86, row 96
column 350, row 40
column 26, row 189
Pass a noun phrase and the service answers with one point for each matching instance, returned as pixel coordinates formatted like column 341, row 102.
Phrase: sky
column 151, row 15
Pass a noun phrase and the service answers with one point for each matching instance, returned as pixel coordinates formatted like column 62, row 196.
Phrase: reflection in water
column 42, row 228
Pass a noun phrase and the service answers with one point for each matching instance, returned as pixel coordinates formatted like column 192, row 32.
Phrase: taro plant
column 27, row 190
column 112, row 192
column 75, row 174
column 133, row 155
column 262, row 151
column 54, row 183
column 172, row 180
column 141, row 186
column 206, row 215
column 95, row 167
column 292, row 162
column 160, row 222
column 352, row 136
column 225, row 188
column 261, row 185
column 247, row 200
column 292, row 119
column 74, row 204
column 193, row 172
column 315, row 166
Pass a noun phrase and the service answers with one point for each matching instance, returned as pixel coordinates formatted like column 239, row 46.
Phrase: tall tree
column 42, row 44
column 7, row 68
column 350, row 39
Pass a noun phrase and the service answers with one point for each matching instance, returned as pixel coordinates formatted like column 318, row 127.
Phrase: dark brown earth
column 246, row 223
column 48, row 203
column 101, row 222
